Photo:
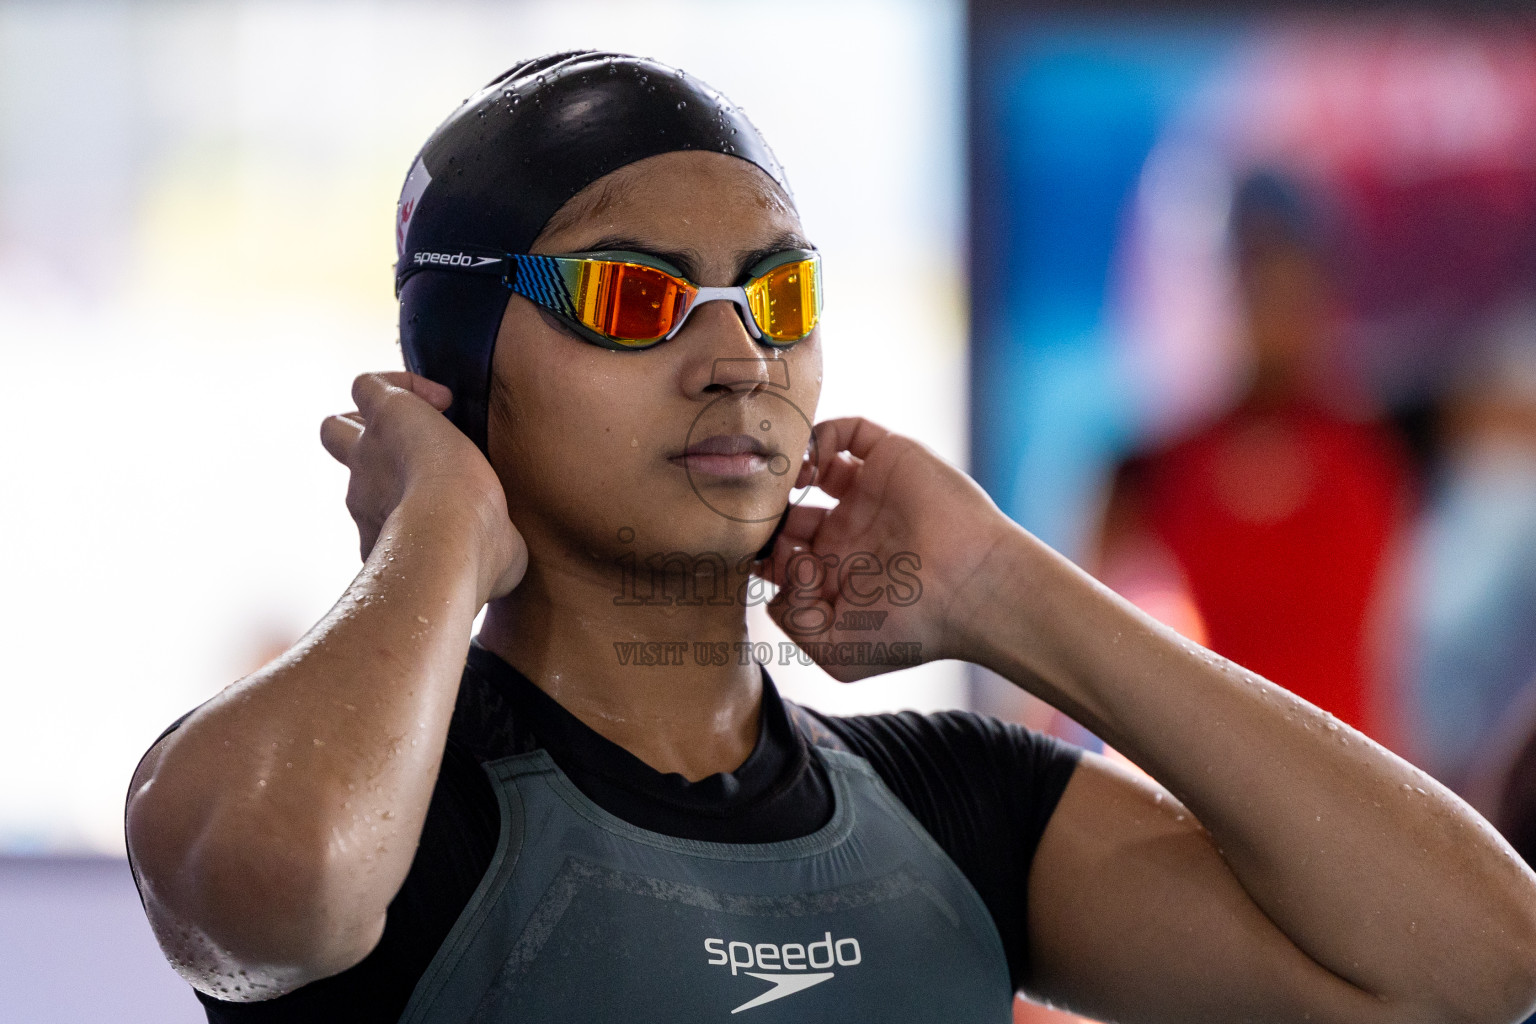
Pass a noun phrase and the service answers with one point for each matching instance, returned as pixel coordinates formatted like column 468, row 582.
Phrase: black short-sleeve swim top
column 983, row 788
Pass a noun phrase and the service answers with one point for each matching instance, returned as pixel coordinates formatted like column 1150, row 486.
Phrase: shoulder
column 455, row 848
column 457, row 843
column 909, row 733
column 949, row 760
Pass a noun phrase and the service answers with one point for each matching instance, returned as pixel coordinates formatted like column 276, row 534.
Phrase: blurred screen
column 1120, row 310
column 1254, row 340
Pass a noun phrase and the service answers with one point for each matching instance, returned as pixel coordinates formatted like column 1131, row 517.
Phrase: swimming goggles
column 632, row 301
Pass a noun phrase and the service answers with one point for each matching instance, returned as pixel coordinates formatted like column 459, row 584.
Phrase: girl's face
column 691, row 446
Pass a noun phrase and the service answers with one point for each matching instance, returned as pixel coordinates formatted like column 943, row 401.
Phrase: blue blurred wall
column 1062, row 120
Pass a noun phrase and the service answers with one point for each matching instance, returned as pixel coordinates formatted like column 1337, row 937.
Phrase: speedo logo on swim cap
column 790, row 968
column 452, row 259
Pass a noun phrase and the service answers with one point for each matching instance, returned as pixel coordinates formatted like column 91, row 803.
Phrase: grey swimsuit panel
column 584, row 917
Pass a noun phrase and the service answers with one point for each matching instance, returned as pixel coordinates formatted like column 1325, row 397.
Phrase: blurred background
column 1237, row 309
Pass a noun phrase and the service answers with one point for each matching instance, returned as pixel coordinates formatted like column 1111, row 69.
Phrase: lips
column 726, row 455
column 727, row 444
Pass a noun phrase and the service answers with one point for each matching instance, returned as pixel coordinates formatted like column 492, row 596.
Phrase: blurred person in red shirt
column 1275, row 520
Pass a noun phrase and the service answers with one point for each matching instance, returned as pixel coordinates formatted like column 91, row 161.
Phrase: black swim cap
column 493, row 174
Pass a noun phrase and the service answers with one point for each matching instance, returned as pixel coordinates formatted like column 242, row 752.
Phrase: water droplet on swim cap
column 514, row 171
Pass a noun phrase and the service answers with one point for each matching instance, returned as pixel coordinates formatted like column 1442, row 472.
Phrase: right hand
column 397, row 443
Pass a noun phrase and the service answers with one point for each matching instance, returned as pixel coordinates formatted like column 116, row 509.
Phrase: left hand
column 904, row 551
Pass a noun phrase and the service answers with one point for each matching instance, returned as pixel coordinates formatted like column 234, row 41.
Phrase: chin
column 697, row 529
column 690, row 559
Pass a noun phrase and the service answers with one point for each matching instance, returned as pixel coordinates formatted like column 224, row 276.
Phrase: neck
column 629, row 671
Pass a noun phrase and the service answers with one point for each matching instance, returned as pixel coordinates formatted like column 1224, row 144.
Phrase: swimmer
column 609, row 312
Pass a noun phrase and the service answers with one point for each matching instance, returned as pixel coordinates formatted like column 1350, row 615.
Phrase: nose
column 723, row 357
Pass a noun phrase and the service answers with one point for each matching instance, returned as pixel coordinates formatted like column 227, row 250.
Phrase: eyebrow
column 690, row 260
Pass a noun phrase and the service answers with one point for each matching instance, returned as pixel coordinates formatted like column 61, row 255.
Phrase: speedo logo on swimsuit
column 453, row 259
column 790, row 968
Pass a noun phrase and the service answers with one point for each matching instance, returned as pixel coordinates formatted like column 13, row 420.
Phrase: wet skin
column 1280, row 867
column 690, row 446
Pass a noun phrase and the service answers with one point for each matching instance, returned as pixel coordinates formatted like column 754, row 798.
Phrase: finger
column 437, row 394
column 339, row 435
column 805, row 575
column 368, row 389
column 837, row 475
column 807, row 475
column 776, row 568
column 839, row 448
column 802, row 522
column 801, row 618
column 797, row 532
column 853, row 434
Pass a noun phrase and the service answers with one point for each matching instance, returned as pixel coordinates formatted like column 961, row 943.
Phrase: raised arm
column 1283, row 867
column 270, row 831
column 1302, row 872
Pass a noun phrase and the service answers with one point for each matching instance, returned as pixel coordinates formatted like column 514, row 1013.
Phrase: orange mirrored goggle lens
column 630, row 303
column 786, row 301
